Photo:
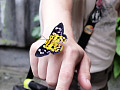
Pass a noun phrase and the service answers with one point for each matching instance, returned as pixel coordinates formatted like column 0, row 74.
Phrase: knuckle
column 35, row 74
column 73, row 50
column 82, row 52
column 42, row 77
column 66, row 75
column 51, row 82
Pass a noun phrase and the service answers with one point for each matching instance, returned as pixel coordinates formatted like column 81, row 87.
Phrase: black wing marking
column 59, row 29
column 41, row 51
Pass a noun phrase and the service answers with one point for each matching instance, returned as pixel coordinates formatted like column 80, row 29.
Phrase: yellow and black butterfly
column 51, row 45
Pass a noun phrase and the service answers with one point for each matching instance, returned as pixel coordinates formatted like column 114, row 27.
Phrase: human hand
column 58, row 70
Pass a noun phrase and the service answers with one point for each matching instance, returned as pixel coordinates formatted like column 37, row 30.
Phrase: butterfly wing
column 41, row 51
column 59, row 31
column 51, row 45
column 59, row 36
column 56, row 48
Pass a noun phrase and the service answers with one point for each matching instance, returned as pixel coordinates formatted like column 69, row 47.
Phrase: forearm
column 54, row 12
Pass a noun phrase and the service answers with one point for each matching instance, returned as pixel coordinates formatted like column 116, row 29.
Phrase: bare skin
column 58, row 69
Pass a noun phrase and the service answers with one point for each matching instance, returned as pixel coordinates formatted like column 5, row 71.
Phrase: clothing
column 101, row 46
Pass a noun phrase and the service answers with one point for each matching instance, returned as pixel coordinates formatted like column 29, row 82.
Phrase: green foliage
column 36, row 32
column 118, row 45
column 118, row 24
column 116, row 69
column 36, row 18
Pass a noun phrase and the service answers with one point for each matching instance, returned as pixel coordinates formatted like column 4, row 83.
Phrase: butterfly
column 52, row 44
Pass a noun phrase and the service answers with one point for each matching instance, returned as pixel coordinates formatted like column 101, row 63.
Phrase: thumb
column 84, row 73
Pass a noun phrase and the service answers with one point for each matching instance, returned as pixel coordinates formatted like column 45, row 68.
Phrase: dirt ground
column 14, row 64
column 10, row 77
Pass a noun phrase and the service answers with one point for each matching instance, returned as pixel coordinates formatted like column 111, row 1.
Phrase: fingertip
column 85, row 83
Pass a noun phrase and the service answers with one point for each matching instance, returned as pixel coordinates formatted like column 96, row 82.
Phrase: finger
column 53, row 69
column 66, row 74
column 84, row 73
column 42, row 67
column 33, row 58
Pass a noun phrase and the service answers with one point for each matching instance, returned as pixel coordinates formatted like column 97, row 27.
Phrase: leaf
column 118, row 45
column 118, row 19
column 119, row 28
column 36, row 18
column 36, row 32
column 116, row 69
column 118, row 24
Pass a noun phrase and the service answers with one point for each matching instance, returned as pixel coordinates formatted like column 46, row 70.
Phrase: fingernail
column 88, row 81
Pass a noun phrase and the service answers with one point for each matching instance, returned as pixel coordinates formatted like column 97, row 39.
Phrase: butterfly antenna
column 43, row 36
column 43, row 39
